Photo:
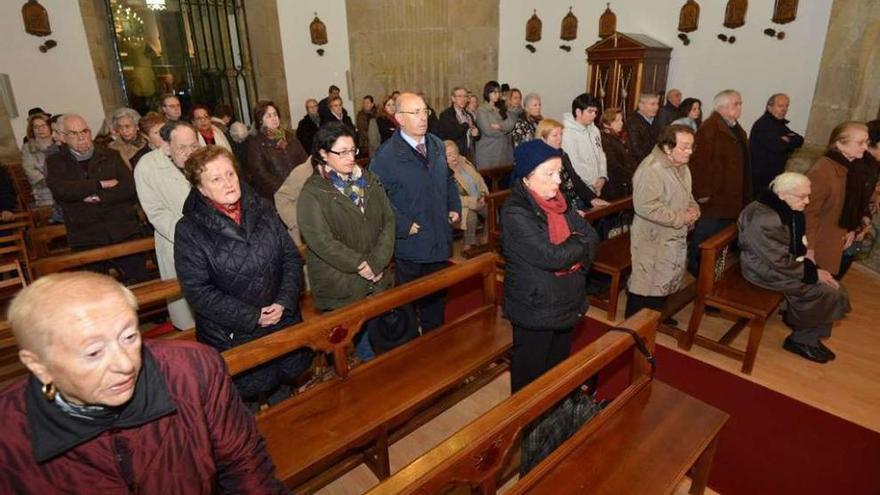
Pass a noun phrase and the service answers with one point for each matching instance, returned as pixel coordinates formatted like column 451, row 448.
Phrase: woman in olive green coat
column 347, row 223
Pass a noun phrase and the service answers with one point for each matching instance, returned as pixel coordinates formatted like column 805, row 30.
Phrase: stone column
column 267, row 58
column 97, row 26
column 848, row 86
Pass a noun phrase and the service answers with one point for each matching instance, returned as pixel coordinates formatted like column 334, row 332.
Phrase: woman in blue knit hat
column 548, row 248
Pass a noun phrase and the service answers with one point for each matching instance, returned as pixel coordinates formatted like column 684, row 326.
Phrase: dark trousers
column 635, row 302
column 430, row 308
column 536, row 352
column 846, row 262
column 810, row 335
column 703, row 229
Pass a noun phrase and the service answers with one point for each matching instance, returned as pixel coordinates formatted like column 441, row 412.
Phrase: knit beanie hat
column 528, row 155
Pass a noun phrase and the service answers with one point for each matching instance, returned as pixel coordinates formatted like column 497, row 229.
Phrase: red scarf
column 208, row 135
column 232, row 211
column 558, row 228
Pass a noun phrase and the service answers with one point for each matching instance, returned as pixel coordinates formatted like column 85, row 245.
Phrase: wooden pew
column 495, row 176
column 42, row 238
column 645, row 441
column 69, row 261
column 720, row 285
column 613, row 257
column 329, row 429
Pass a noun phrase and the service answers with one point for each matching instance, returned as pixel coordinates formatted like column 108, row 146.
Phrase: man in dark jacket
column 459, row 125
column 720, row 171
column 338, row 114
column 412, row 166
column 97, row 195
column 643, row 127
column 308, row 125
column 669, row 111
column 770, row 143
column 154, row 417
column 324, row 104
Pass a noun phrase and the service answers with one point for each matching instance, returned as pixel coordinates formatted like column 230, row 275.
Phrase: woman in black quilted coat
column 239, row 270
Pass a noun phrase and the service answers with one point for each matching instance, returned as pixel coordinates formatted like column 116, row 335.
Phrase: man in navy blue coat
column 770, row 142
column 412, row 167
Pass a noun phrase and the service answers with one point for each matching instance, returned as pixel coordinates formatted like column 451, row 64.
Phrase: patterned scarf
column 277, row 137
column 232, row 211
column 354, row 187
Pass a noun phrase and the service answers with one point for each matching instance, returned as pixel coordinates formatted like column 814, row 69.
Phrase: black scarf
column 54, row 432
column 861, row 178
column 794, row 220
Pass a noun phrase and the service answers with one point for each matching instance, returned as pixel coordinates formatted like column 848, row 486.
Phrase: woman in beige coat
column 665, row 210
column 472, row 190
column 826, row 239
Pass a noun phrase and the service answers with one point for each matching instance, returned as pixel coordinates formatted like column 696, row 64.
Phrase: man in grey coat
column 773, row 255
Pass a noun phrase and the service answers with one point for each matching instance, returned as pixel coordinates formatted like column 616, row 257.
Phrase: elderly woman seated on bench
column 103, row 412
column 772, row 240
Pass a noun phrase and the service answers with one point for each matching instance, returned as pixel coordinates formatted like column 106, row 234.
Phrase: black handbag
column 392, row 329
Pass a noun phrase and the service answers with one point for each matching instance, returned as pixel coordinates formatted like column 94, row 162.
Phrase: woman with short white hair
column 773, row 255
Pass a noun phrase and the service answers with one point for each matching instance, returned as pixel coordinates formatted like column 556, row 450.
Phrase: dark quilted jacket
column 535, row 297
column 229, row 272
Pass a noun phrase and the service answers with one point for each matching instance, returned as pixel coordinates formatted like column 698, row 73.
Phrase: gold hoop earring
column 49, row 391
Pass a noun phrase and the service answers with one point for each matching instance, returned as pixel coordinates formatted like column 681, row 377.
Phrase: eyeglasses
column 78, row 134
column 346, row 153
column 184, row 148
column 427, row 112
column 686, row 150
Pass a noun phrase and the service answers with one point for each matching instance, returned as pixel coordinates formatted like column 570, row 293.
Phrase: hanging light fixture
column 156, row 4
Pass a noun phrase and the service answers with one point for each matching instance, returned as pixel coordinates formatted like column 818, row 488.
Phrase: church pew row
column 613, row 256
column 495, row 176
column 644, row 441
column 720, row 285
column 327, row 430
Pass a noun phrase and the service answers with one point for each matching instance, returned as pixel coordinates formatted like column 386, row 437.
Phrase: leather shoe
column 828, row 352
column 812, row 353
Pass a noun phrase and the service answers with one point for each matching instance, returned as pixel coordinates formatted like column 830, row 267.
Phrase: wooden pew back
column 494, row 176
column 334, row 331
column 79, row 259
column 476, row 454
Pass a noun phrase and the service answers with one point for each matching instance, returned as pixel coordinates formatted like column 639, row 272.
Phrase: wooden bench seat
column 720, row 285
column 329, row 429
column 613, row 256
column 644, row 441
column 495, row 176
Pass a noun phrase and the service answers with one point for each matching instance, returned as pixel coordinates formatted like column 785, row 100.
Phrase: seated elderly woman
column 104, row 412
column 547, row 247
column 348, row 225
column 239, row 271
column 471, row 188
column 130, row 144
column 772, row 232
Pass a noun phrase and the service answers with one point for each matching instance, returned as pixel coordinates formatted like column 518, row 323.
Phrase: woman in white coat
column 208, row 133
column 162, row 189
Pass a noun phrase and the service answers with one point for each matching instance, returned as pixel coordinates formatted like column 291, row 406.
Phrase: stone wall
column 99, row 36
column 848, row 87
column 423, row 45
column 267, row 58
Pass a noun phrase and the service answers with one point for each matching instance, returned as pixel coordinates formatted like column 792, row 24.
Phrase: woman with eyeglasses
column 239, row 271
column 496, row 124
column 272, row 151
column 347, row 223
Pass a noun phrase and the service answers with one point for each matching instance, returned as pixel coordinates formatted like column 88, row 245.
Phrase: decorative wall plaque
column 785, row 11
column 735, row 13
column 533, row 28
column 689, row 17
column 569, row 30
column 607, row 22
column 318, row 31
column 36, row 19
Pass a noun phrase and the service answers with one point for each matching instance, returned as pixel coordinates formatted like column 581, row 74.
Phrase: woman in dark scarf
column 827, row 237
column 272, row 151
column 861, row 180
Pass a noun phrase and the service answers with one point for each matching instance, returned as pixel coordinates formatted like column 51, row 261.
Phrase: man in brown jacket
column 721, row 172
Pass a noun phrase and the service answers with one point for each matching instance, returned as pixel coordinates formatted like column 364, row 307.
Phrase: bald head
column 75, row 133
column 412, row 113
column 58, row 303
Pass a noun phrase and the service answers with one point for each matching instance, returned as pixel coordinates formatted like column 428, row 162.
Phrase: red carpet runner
column 772, row 444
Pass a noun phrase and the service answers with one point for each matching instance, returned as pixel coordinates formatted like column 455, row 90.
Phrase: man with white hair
column 720, row 170
column 101, row 411
column 97, row 195
column 643, row 127
column 774, row 256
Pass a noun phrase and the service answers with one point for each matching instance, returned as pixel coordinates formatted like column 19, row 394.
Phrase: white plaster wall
column 59, row 81
column 309, row 75
column 756, row 65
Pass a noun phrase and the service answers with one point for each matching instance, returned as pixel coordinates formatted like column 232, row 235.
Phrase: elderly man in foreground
column 773, row 255
column 102, row 412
